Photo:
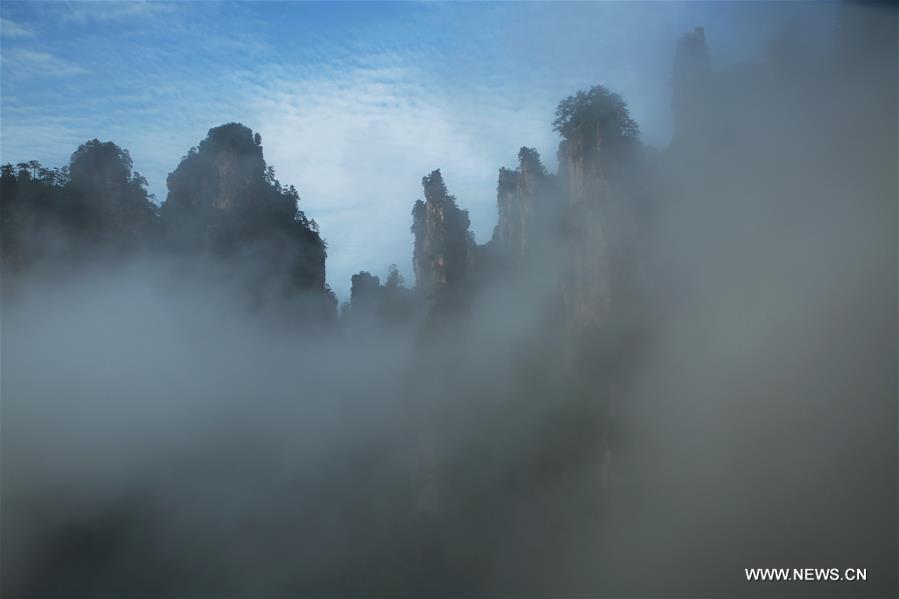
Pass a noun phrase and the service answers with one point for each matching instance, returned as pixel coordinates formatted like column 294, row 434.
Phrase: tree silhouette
column 115, row 196
column 593, row 115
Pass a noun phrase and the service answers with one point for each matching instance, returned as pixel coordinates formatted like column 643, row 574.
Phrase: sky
column 355, row 102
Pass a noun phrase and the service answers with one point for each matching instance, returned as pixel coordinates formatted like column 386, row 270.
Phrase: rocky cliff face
column 443, row 246
column 509, row 232
column 599, row 163
column 581, row 167
column 223, row 198
column 219, row 173
column 586, row 290
column 525, row 204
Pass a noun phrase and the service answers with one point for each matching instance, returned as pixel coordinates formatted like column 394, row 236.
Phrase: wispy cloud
column 11, row 30
column 35, row 62
column 81, row 12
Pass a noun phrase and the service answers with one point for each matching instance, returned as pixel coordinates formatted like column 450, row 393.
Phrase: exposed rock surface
column 525, row 204
column 443, row 246
column 223, row 198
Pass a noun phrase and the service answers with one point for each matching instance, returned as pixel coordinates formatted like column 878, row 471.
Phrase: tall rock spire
column 523, row 201
column 689, row 82
column 442, row 243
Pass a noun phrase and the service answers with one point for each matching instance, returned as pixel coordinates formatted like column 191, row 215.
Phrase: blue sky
column 355, row 102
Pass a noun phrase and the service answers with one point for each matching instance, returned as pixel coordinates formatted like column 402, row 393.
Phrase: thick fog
column 667, row 366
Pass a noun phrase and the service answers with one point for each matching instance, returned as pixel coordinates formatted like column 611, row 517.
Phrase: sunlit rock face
column 443, row 245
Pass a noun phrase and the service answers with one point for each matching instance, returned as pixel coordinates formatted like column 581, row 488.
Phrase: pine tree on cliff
column 595, row 114
column 598, row 132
